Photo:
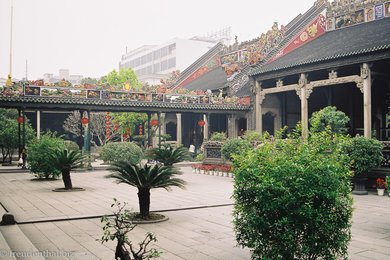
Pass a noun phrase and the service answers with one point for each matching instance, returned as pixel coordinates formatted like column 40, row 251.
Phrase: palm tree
column 168, row 155
column 65, row 161
column 145, row 178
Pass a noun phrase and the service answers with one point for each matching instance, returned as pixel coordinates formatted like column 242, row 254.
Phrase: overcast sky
column 88, row 37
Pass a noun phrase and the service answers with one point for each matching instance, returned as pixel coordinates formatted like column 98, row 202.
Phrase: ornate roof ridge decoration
column 259, row 70
column 72, row 103
column 344, row 13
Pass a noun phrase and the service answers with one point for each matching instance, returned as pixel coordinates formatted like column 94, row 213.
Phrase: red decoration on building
column 201, row 123
column 84, row 120
column 154, row 122
column 20, row 119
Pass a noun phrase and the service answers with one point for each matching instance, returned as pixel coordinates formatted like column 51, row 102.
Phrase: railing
column 62, row 92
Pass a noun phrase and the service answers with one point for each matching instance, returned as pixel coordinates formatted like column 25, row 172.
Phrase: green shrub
column 234, row 146
column 252, row 137
column 199, row 157
column 364, row 153
column 293, row 199
column 218, row 136
column 38, row 153
column 71, row 146
column 329, row 116
column 121, row 151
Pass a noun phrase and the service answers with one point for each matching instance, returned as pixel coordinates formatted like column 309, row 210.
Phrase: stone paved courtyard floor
column 199, row 225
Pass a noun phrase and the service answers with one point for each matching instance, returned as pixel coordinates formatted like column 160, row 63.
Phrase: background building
column 62, row 74
column 152, row 63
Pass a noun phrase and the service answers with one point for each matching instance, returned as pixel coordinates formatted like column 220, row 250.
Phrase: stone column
column 159, row 128
column 178, row 129
column 258, row 108
column 38, row 124
column 304, row 90
column 206, row 127
column 366, row 76
column 232, row 126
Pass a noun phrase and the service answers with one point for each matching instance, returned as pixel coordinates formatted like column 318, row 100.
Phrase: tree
column 118, row 79
column 89, row 80
column 168, row 155
column 329, row 116
column 38, row 153
column 118, row 227
column 65, row 161
column 9, row 133
column 145, row 178
column 97, row 126
column 293, row 198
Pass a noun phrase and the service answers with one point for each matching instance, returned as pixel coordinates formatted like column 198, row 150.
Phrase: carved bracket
column 261, row 97
column 359, row 84
column 332, row 74
column 364, row 72
column 302, row 80
column 279, row 83
column 256, row 88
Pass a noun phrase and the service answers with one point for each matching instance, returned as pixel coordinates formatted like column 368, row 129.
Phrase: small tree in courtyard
column 293, row 199
column 145, row 178
column 65, row 161
column 329, row 116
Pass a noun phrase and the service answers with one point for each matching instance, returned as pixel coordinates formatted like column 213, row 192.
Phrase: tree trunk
column 66, row 179
column 144, row 202
column 120, row 251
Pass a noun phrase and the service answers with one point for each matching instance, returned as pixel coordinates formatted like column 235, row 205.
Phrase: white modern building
column 152, row 63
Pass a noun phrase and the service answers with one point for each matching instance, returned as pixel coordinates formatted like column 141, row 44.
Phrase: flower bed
column 223, row 170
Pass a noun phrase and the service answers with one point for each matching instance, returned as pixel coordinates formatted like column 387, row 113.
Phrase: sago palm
column 65, row 161
column 144, row 179
column 168, row 155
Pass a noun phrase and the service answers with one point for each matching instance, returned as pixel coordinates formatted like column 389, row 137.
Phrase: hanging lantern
column 154, row 122
column 201, row 123
column 20, row 119
column 84, row 120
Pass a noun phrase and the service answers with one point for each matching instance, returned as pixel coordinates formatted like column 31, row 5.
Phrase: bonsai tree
column 144, row 179
column 168, row 155
column 65, row 161
column 118, row 227
column 365, row 154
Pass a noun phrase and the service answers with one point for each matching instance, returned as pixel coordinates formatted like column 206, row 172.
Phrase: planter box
column 212, row 153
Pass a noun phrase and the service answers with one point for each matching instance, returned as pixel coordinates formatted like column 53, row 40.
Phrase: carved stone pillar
column 38, row 124
column 366, row 76
column 232, row 126
column 206, row 128
column 258, row 107
column 304, row 90
column 178, row 129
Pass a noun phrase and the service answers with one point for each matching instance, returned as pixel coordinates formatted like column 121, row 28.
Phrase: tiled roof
column 112, row 105
column 214, row 79
column 198, row 63
column 345, row 43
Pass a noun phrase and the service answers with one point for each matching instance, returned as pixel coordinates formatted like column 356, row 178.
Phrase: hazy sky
column 88, row 37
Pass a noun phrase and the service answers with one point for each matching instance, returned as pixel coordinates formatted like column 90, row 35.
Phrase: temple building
column 335, row 54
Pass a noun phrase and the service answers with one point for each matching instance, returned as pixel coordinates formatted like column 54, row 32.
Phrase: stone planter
column 212, row 152
column 381, row 192
column 360, row 186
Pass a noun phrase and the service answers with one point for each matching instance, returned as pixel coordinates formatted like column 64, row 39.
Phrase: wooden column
column 178, row 129
column 366, row 76
column 149, row 131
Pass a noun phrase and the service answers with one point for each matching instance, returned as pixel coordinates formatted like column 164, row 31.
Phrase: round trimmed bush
column 293, row 199
column 234, row 146
column 38, row 153
column 121, row 151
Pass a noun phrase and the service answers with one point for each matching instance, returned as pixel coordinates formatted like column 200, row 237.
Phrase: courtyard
column 199, row 225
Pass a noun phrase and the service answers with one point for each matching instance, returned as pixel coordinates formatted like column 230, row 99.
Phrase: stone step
column 5, row 250
column 19, row 244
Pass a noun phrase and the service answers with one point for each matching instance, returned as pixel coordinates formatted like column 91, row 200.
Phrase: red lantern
column 84, row 120
column 201, row 123
column 154, row 122
column 20, row 119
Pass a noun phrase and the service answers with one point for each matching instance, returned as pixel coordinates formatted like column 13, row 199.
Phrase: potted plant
column 381, row 186
column 365, row 154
